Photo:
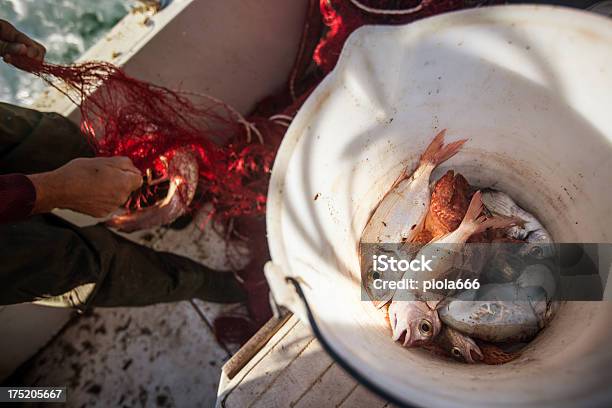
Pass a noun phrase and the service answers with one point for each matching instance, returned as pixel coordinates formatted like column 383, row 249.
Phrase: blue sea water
column 67, row 28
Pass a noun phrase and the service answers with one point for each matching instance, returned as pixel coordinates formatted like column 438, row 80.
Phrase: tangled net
column 342, row 17
column 123, row 116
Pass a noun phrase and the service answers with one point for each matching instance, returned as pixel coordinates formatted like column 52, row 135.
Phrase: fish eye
column 536, row 252
column 456, row 352
column 376, row 275
column 425, row 327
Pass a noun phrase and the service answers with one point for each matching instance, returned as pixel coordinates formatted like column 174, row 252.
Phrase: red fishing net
column 342, row 17
column 121, row 115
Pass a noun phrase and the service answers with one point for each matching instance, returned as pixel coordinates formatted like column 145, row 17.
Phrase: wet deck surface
column 163, row 355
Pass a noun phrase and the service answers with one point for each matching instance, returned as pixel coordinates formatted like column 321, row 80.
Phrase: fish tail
column 474, row 210
column 437, row 152
column 473, row 222
column 499, row 221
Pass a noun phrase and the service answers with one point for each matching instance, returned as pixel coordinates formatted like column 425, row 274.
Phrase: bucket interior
column 538, row 128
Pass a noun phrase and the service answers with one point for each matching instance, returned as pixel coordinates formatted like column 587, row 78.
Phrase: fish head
column 179, row 171
column 465, row 349
column 414, row 323
column 383, row 294
column 539, row 246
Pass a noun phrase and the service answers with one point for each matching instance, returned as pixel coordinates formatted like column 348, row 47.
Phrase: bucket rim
column 276, row 241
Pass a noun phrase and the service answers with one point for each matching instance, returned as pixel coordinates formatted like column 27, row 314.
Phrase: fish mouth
column 402, row 334
column 472, row 353
column 403, row 337
column 476, row 351
column 397, row 333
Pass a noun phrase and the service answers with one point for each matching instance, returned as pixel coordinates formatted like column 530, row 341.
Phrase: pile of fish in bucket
column 463, row 272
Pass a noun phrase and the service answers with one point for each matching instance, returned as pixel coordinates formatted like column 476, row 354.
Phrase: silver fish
column 514, row 311
column 182, row 175
column 380, row 296
column 539, row 242
column 538, row 276
column 402, row 210
column 504, row 267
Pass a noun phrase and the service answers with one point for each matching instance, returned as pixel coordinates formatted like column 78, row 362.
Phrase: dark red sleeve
column 17, row 197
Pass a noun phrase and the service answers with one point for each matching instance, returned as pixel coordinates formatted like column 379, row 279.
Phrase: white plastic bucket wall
column 531, row 87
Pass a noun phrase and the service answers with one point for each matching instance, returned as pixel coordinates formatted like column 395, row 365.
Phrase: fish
column 448, row 204
column 401, row 213
column 539, row 243
column 505, row 266
column 449, row 252
column 403, row 209
column 459, row 346
column 495, row 321
column 409, row 310
column 419, row 323
column 506, row 312
column 450, row 199
column 538, row 276
column 182, row 174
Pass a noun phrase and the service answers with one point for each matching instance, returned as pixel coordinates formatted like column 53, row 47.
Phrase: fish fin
column 434, row 147
column 474, row 210
column 499, row 203
column 437, row 152
column 473, row 222
column 420, row 227
column 433, row 304
column 378, row 304
column 474, row 350
column 495, row 222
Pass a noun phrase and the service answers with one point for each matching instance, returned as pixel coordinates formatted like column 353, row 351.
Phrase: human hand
column 15, row 43
column 95, row 186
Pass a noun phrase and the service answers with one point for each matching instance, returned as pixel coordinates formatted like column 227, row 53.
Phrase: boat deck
column 293, row 370
column 163, row 355
column 166, row 355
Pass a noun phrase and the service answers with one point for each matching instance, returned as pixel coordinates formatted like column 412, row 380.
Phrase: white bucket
column 531, row 87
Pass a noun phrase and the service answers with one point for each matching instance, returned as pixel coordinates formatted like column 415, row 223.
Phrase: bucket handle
column 336, row 356
column 281, row 293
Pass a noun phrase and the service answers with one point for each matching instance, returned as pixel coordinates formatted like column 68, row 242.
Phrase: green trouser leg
column 34, row 142
column 48, row 258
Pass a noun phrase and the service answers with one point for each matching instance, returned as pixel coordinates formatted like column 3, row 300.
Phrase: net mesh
column 123, row 116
